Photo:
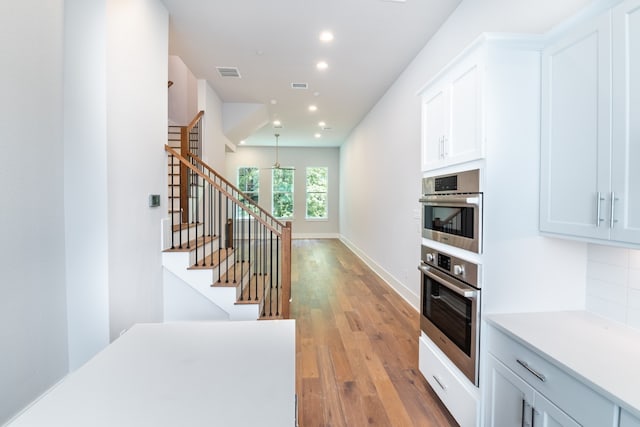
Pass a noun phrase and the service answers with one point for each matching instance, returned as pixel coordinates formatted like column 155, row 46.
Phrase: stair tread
column 184, row 226
column 255, row 299
column 191, row 245
column 212, row 261
column 238, row 270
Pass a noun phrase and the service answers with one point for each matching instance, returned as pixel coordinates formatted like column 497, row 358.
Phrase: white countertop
column 180, row 374
column 603, row 354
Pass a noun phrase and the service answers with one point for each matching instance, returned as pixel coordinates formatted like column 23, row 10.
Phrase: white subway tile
column 607, row 291
column 633, row 318
column 607, row 273
column 607, row 309
column 609, row 255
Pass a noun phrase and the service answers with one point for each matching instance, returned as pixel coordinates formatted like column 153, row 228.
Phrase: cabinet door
column 464, row 140
column 575, row 146
column 510, row 398
column 628, row 420
column 626, row 122
column 435, row 121
column 546, row 414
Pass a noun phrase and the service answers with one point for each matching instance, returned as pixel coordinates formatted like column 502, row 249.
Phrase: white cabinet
column 456, row 392
column 625, row 161
column 523, row 388
column 628, row 420
column 452, row 113
column 513, row 402
column 590, row 93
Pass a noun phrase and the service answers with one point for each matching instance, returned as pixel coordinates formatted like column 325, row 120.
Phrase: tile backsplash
column 613, row 283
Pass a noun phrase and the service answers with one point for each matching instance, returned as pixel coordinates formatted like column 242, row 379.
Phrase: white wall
column 613, row 283
column 214, row 140
column 33, row 324
column 85, row 178
column 137, row 61
column 183, row 94
column 300, row 158
column 380, row 161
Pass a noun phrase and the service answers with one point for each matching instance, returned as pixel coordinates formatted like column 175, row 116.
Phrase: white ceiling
column 274, row 43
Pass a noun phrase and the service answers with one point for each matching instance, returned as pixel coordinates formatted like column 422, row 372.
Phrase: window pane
column 249, row 184
column 316, row 205
column 283, row 205
column 317, row 192
column 282, row 190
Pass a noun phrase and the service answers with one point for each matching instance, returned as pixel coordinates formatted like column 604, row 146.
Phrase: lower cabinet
column 513, row 402
column 524, row 389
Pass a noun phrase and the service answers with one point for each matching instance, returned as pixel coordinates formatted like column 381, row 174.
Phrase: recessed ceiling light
column 313, row 108
column 317, row 135
column 242, row 142
column 322, row 65
column 326, row 36
column 274, row 101
column 277, row 123
column 322, row 124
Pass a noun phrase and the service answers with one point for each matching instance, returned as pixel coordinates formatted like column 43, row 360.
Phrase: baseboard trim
column 395, row 284
column 300, row 236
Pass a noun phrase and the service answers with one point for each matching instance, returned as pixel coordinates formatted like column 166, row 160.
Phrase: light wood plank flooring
column 357, row 345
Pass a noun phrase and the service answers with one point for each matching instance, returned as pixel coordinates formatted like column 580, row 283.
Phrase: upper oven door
column 453, row 219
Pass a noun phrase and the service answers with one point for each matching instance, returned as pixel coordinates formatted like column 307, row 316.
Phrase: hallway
column 357, row 345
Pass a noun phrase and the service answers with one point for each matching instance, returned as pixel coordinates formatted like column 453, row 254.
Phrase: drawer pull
column 526, row 366
column 439, row 383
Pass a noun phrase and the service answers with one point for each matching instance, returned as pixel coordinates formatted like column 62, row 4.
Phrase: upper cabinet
column 625, row 159
column 590, row 93
column 452, row 114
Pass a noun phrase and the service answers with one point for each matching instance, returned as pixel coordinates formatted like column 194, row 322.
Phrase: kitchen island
column 173, row 374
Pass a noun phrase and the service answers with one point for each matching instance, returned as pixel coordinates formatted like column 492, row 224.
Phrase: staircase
column 217, row 241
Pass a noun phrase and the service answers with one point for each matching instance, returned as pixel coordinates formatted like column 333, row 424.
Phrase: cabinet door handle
column 612, row 220
column 444, row 146
column 439, row 383
column 599, row 200
column 533, row 416
column 535, row 373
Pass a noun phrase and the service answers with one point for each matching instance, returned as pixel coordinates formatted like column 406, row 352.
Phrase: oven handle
column 462, row 291
column 451, row 200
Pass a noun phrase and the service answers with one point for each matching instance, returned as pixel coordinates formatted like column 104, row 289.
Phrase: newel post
column 184, row 175
column 286, row 269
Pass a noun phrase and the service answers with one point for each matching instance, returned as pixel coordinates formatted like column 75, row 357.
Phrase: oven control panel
column 464, row 270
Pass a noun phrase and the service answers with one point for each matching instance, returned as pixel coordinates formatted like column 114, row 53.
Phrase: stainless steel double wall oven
column 450, row 288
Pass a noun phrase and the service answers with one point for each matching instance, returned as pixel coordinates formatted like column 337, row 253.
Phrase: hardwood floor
column 357, row 345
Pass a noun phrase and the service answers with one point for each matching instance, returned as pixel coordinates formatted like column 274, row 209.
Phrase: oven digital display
column 446, row 183
column 444, row 262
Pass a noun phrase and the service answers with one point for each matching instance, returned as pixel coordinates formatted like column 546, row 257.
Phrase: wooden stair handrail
column 246, row 208
column 194, row 121
column 221, row 178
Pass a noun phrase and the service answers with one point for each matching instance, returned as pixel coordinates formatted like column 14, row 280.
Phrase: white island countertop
column 603, row 354
column 180, row 374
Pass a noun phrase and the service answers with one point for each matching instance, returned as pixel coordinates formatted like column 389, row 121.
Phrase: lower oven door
column 450, row 316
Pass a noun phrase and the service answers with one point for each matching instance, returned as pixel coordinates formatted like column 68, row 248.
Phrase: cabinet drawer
column 575, row 398
column 456, row 392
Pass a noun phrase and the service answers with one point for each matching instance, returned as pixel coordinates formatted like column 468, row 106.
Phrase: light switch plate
column 154, row 200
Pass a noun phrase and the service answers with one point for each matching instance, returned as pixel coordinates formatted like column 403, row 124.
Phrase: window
column 249, row 184
column 317, row 192
column 282, row 190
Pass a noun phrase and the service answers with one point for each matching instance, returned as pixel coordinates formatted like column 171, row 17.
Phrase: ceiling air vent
column 228, row 72
column 299, row 86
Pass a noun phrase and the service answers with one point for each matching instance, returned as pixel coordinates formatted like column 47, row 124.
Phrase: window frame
column 275, row 192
